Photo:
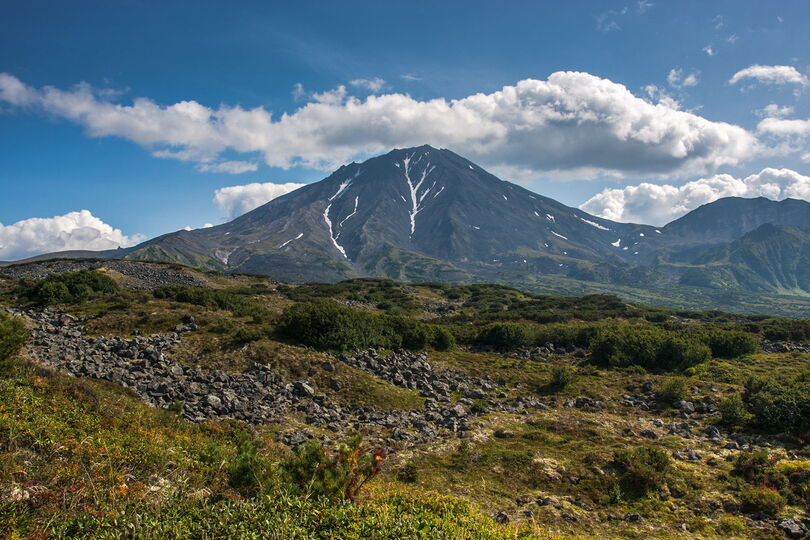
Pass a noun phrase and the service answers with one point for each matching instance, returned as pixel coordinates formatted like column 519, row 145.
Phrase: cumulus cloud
column 784, row 127
column 771, row 75
column 372, row 85
column 659, row 204
column 677, row 78
column 709, row 49
column 569, row 122
column 237, row 200
column 72, row 231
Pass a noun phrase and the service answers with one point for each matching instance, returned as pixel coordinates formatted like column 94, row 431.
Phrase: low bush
column 673, row 390
column 647, row 346
column 315, row 472
column 326, row 325
column 762, row 500
column 249, row 473
column 12, row 335
column 733, row 412
column 562, row 376
column 643, row 470
column 779, row 406
column 730, row 343
column 67, row 288
column 505, row 336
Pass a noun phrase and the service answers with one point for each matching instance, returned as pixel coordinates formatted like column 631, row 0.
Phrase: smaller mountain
column 769, row 259
column 727, row 219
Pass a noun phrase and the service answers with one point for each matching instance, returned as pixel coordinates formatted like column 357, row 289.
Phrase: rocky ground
column 259, row 395
column 139, row 276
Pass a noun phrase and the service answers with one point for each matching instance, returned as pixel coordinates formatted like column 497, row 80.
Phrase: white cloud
column 237, row 200
column 677, row 78
column 230, row 167
column 709, row 49
column 659, row 204
column 784, row 127
column 72, row 231
column 774, row 111
column 771, row 75
column 570, row 122
column 410, row 77
column 373, row 85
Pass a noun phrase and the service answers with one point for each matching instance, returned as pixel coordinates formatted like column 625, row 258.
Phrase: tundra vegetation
column 595, row 417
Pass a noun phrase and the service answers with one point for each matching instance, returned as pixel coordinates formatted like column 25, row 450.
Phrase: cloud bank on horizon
column 658, row 204
column 73, row 231
column 572, row 122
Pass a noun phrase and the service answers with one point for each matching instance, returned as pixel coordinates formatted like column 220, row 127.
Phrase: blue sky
column 69, row 151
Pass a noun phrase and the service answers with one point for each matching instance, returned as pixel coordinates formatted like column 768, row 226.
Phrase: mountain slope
column 417, row 213
column 772, row 258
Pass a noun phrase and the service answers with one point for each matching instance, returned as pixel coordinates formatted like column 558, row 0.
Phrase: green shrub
column 505, row 336
column 753, row 467
column 643, row 470
column 627, row 345
column 562, row 376
column 673, row 390
column 762, row 500
column 413, row 335
column 318, row 473
column 12, row 335
column 249, row 472
column 733, row 412
column 326, row 325
column 678, row 353
column 779, row 405
column 647, row 346
column 442, row 339
column 67, row 288
column 730, row 343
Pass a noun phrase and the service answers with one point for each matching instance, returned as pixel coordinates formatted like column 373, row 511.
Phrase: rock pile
column 771, row 347
column 412, row 371
column 257, row 395
column 142, row 276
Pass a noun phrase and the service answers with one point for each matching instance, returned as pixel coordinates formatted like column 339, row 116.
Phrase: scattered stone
column 792, row 528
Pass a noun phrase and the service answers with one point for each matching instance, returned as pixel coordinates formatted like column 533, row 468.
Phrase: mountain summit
column 414, row 213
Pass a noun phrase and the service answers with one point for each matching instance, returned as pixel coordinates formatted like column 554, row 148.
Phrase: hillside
column 771, row 259
column 495, row 413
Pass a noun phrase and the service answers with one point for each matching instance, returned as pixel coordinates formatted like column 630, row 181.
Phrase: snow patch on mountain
column 328, row 221
column 413, row 187
column 594, row 224
column 290, row 240
column 356, row 201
